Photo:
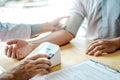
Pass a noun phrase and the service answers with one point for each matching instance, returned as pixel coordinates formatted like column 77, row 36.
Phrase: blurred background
column 35, row 11
column 32, row 11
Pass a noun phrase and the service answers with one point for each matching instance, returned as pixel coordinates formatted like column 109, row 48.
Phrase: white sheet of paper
column 88, row 70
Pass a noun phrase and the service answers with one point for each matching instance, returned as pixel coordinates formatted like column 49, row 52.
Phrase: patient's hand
column 18, row 49
column 99, row 47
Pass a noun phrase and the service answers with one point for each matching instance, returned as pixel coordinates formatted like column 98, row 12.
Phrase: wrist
column 117, row 40
column 48, row 26
column 33, row 44
column 19, row 73
column 7, row 76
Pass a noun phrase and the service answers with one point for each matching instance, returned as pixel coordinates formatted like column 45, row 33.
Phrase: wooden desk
column 72, row 53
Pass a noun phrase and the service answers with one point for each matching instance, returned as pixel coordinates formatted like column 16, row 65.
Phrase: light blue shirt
column 103, row 18
column 18, row 31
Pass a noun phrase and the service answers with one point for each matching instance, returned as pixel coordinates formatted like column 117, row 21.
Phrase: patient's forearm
column 60, row 37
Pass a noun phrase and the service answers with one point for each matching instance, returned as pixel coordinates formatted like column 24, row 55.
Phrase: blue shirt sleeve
column 13, row 31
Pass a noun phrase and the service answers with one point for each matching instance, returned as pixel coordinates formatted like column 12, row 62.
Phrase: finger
column 98, row 53
column 36, row 71
column 93, row 42
column 12, row 42
column 9, row 53
column 92, row 46
column 98, row 48
column 43, row 66
column 42, row 71
column 105, row 50
column 93, row 51
column 42, row 61
column 6, row 50
column 90, row 53
column 14, row 52
column 58, row 27
column 39, row 56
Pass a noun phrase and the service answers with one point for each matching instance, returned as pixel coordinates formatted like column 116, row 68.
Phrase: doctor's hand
column 53, row 25
column 56, row 23
column 38, row 64
column 99, row 47
column 28, row 68
column 18, row 49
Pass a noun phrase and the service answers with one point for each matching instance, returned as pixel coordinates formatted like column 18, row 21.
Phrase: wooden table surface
column 72, row 53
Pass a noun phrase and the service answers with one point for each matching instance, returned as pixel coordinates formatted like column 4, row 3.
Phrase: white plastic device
column 50, row 49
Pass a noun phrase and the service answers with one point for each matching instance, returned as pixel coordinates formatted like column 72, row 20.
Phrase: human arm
column 26, row 31
column 28, row 68
column 19, row 49
column 60, row 37
column 10, row 31
column 63, row 36
column 100, row 47
column 47, row 26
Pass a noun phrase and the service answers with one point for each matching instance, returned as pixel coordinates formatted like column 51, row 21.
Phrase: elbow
column 65, row 38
